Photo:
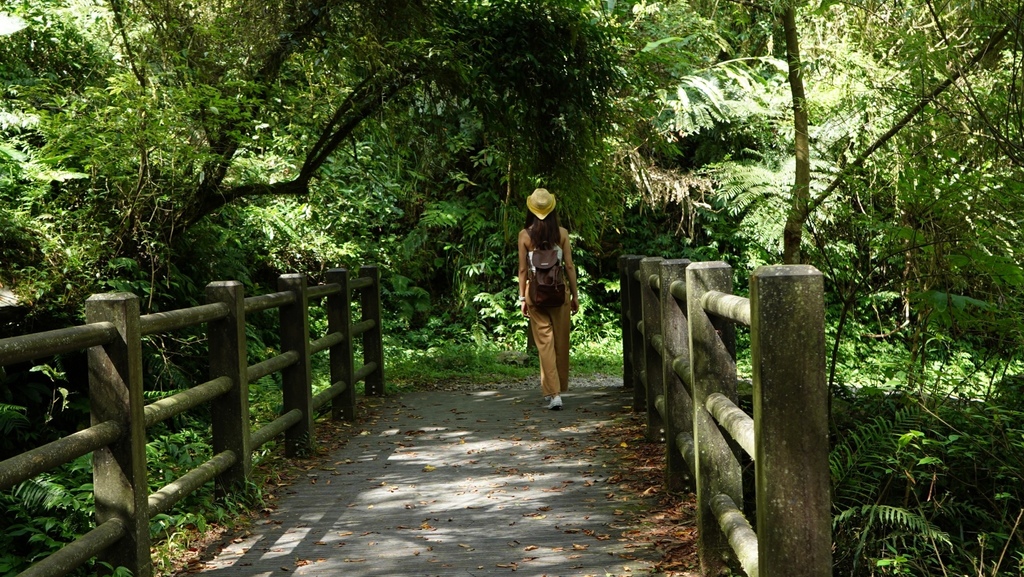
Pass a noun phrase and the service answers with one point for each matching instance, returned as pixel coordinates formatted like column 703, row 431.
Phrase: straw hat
column 541, row 203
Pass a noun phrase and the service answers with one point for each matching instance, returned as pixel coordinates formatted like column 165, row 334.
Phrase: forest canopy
column 154, row 146
column 144, row 118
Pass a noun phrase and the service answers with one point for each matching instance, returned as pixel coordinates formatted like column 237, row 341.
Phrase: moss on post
column 712, row 370
column 121, row 486
column 678, row 402
column 296, row 379
column 228, row 359
column 787, row 344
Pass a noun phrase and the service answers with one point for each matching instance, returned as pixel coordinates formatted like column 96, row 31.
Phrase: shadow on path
column 480, row 482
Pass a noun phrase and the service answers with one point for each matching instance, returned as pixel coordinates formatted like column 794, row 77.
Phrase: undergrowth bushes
column 924, row 488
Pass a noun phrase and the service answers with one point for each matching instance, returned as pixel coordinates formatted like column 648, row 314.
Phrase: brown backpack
column 547, row 283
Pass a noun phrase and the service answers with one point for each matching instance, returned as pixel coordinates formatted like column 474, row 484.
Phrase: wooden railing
column 679, row 351
column 119, row 417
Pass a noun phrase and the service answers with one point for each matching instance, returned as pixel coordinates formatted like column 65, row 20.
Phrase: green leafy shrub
column 925, row 489
column 44, row 513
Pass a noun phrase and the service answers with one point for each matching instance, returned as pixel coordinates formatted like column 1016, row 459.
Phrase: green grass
column 473, row 363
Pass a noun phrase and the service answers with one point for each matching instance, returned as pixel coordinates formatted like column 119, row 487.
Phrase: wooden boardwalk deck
column 483, row 482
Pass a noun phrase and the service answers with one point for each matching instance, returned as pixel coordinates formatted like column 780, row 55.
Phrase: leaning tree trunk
column 798, row 208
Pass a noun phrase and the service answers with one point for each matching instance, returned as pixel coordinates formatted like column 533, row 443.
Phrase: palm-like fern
column 878, row 524
column 860, row 461
column 12, row 418
column 872, row 511
column 41, row 493
column 727, row 92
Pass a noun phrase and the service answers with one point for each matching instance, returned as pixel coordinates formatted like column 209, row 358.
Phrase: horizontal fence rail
column 680, row 359
column 116, row 438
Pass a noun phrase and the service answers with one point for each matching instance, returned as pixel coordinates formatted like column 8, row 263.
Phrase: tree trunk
column 798, row 209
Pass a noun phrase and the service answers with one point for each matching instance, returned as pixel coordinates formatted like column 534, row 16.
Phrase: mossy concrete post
column 373, row 342
column 712, row 370
column 651, row 302
column 339, row 320
column 636, row 315
column 120, row 483
column 628, row 324
column 228, row 359
column 787, row 344
column 678, row 403
column 296, row 379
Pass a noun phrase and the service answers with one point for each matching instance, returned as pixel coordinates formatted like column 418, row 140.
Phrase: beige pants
column 550, row 328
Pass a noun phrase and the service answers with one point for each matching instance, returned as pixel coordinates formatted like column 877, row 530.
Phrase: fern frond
column 725, row 93
column 12, row 418
column 896, row 519
column 742, row 185
column 860, row 461
column 41, row 493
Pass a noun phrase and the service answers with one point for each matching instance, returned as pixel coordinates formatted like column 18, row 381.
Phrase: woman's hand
column 574, row 305
column 525, row 308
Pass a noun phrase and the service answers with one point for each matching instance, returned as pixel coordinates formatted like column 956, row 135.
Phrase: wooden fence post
column 636, row 315
column 787, row 343
column 120, row 483
column 228, row 359
column 712, row 370
column 651, row 302
column 628, row 324
column 339, row 319
column 373, row 344
column 296, row 379
column 678, row 402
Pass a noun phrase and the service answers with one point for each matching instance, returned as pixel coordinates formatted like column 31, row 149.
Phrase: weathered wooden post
column 636, row 314
column 676, row 362
column 339, row 319
column 628, row 324
column 373, row 343
column 712, row 370
column 787, row 343
column 651, row 303
column 121, row 487
column 296, row 379
column 228, row 359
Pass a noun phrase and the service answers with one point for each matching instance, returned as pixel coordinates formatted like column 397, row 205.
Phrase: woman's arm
column 524, row 238
column 570, row 271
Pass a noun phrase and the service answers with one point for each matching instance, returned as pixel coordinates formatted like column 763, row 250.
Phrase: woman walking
column 549, row 324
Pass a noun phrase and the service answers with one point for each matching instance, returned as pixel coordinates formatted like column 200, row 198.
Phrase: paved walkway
column 484, row 482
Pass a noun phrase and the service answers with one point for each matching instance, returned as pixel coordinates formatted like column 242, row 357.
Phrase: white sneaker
column 556, row 403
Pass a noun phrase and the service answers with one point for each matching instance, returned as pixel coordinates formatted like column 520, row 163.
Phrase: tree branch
column 117, row 9
column 934, row 93
column 214, row 202
column 367, row 98
column 209, row 193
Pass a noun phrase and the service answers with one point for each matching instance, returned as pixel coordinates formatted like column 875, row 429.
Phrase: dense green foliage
column 154, row 147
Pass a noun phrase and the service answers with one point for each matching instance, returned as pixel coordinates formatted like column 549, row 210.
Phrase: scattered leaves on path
column 649, row 516
column 666, row 521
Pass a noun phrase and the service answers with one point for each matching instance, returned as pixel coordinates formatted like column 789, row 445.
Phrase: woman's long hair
column 543, row 229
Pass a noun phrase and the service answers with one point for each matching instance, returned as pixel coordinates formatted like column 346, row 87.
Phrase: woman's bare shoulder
column 524, row 238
